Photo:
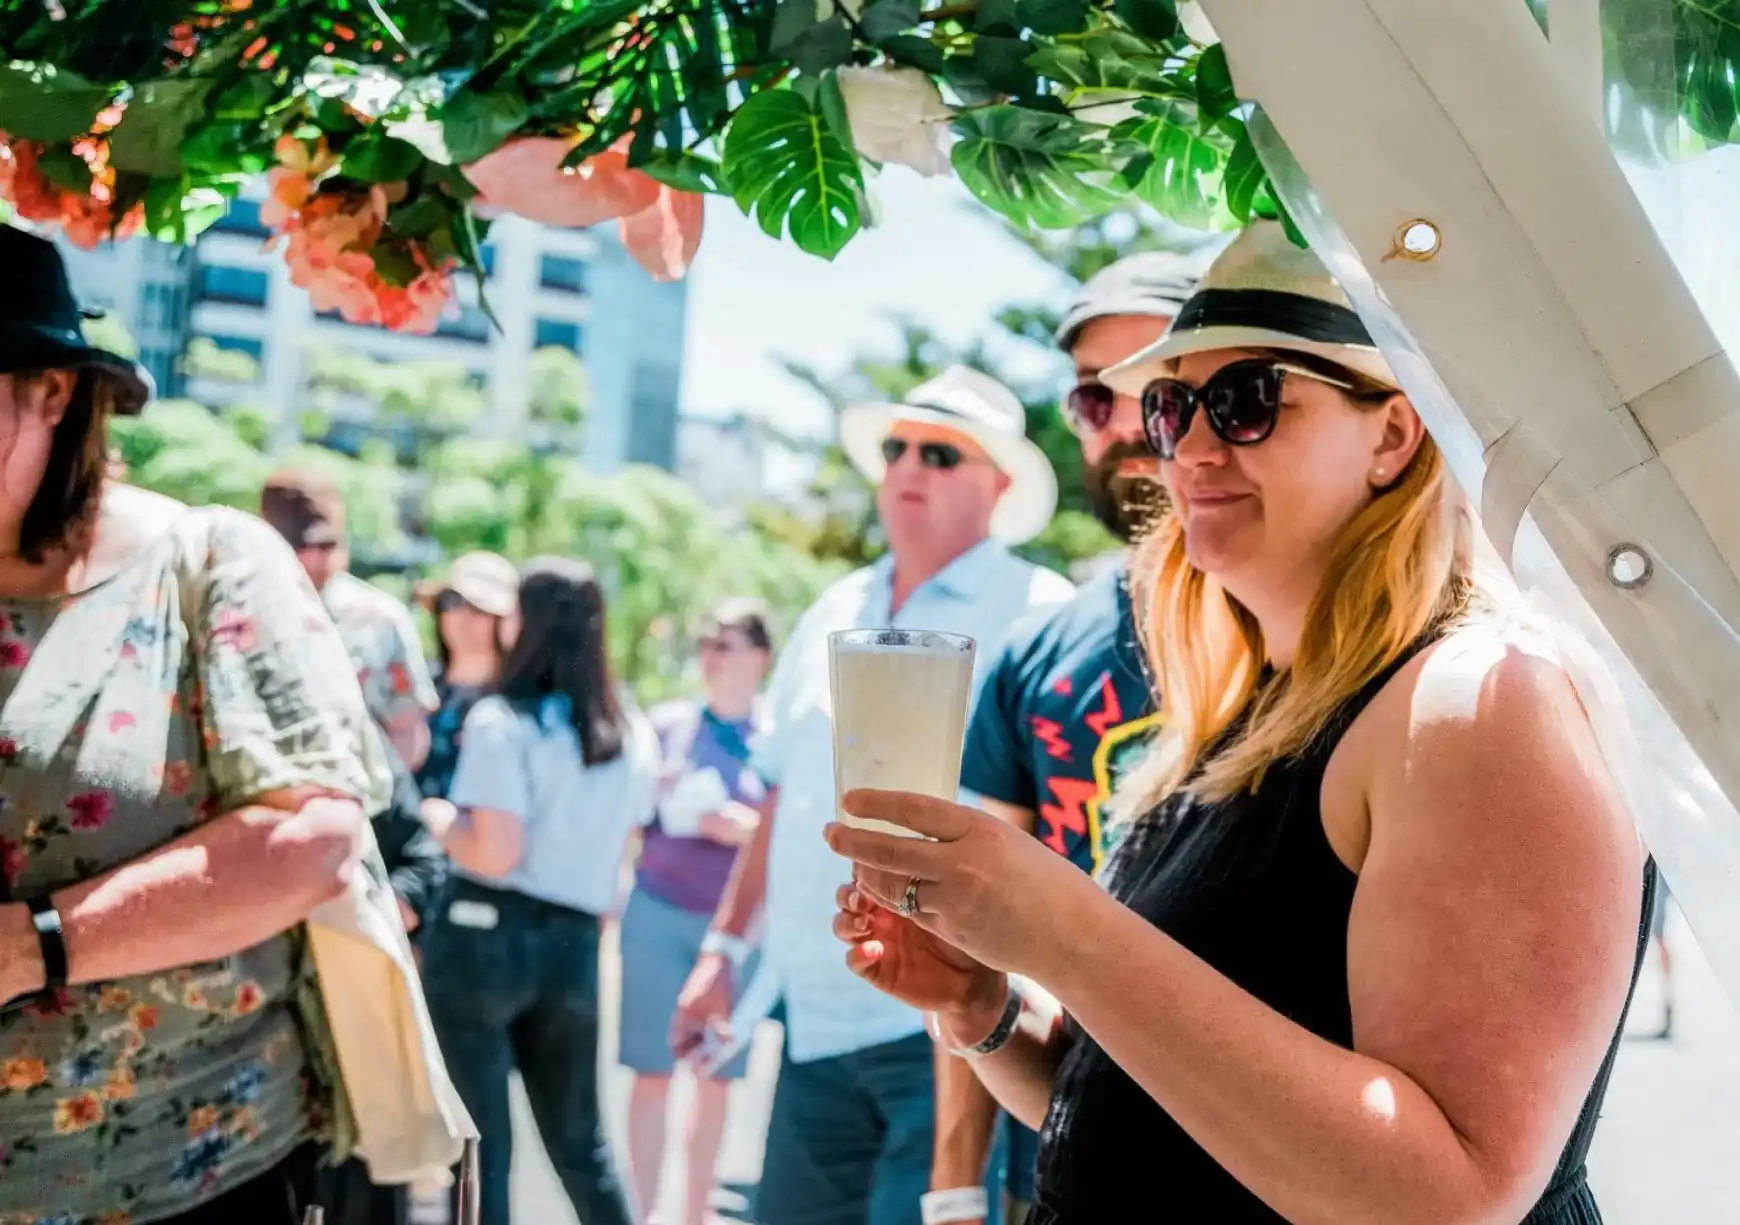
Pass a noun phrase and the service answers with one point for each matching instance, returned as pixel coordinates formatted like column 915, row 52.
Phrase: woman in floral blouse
column 183, row 775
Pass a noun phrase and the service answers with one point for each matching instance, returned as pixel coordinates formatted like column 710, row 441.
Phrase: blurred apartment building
column 576, row 289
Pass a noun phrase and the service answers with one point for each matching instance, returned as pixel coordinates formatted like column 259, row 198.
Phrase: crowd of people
column 1285, row 882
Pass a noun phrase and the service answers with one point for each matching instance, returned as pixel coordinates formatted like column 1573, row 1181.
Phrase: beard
column 1124, row 504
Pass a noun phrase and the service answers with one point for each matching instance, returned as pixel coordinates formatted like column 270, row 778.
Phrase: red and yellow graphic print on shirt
column 1065, row 711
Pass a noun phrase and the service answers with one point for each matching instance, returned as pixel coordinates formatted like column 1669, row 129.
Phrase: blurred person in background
column 556, row 772
column 308, row 511
column 186, row 765
column 476, row 612
column 853, row 1126
column 1067, row 705
column 708, row 808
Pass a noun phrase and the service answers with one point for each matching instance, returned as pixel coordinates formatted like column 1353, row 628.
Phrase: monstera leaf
column 1176, row 166
column 788, row 169
column 1042, row 171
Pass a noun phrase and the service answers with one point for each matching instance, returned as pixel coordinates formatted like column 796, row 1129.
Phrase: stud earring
column 1378, row 474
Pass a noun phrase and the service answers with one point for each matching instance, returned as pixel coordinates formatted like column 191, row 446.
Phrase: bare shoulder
column 1493, row 929
column 1486, row 721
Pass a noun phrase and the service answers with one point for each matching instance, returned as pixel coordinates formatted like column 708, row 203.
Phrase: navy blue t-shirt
column 1064, row 711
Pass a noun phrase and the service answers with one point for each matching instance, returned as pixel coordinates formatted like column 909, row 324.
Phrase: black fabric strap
column 1291, row 313
column 46, row 919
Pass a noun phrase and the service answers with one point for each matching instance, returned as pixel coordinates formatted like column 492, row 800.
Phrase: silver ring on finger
column 909, row 903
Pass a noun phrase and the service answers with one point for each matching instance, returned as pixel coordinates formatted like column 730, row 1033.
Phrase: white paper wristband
column 960, row 1204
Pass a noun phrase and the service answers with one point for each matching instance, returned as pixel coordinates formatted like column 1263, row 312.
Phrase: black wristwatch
column 52, row 939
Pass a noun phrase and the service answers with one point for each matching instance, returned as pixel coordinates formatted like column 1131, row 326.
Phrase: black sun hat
column 41, row 322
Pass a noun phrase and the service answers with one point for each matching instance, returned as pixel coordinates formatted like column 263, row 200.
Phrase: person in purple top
column 707, row 810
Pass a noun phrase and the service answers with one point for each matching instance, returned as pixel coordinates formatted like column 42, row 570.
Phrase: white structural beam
column 1559, row 357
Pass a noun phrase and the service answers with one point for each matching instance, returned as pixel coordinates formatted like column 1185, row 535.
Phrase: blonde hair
column 1400, row 567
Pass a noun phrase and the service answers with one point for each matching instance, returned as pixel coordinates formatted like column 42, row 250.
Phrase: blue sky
column 936, row 256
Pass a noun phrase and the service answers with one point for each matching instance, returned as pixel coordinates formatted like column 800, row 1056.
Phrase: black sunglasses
column 1088, row 406
column 1242, row 401
column 940, row 456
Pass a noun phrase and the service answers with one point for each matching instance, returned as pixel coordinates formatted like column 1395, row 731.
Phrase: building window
column 223, row 283
column 243, row 218
column 253, row 346
column 562, row 273
column 558, row 334
column 471, row 324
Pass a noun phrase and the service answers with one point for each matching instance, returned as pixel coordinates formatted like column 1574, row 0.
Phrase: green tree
column 843, row 523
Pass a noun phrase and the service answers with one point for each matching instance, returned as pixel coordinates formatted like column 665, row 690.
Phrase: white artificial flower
column 897, row 115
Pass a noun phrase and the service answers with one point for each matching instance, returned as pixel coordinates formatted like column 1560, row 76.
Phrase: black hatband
column 1275, row 310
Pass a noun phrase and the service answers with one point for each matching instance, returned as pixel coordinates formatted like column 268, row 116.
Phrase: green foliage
column 1068, row 109
column 1040, row 170
column 182, row 449
column 788, row 168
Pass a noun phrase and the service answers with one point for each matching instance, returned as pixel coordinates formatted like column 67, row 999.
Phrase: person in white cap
column 1365, row 948
column 850, row 1140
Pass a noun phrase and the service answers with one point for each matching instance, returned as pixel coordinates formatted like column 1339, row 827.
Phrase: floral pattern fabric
column 200, row 677
column 382, row 641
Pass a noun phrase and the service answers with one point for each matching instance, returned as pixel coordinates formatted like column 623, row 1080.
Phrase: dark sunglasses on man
column 1088, row 406
column 1241, row 400
column 937, row 456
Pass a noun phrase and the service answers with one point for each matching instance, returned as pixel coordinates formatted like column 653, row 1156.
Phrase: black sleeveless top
column 1251, row 886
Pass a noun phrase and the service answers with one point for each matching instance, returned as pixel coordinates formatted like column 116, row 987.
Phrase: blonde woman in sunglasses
column 1364, row 948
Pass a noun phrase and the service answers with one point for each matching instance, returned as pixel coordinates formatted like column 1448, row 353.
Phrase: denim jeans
column 514, row 984
column 851, row 1137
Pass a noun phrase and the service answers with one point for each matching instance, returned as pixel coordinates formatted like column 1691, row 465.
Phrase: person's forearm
column 1320, row 1133
column 966, row 1121
column 228, row 885
column 469, row 849
column 411, row 740
column 1019, row 1076
column 747, row 888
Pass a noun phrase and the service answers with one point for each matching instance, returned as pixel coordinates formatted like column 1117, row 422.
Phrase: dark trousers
column 850, row 1140
column 278, row 1197
column 523, row 994
column 350, row 1198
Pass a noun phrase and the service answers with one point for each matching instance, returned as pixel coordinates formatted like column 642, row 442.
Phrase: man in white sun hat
column 852, row 1130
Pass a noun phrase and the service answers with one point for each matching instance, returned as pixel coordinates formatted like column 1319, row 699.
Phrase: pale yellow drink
column 900, row 712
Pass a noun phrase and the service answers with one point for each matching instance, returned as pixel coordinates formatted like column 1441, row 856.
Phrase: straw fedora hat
column 1262, row 292
column 978, row 406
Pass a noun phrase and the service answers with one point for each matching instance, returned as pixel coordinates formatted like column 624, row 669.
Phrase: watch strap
column 734, row 949
column 52, row 939
column 999, row 1037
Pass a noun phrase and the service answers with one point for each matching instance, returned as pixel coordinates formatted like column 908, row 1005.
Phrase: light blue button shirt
column 577, row 818
column 829, row 1011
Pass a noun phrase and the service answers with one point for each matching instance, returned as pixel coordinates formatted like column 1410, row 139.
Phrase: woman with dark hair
column 185, row 771
column 708, row 808
column 476, row 610
column 555, row 774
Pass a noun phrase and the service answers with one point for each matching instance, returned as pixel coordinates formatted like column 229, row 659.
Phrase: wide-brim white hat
column 977, row 406
column 1263, row 292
